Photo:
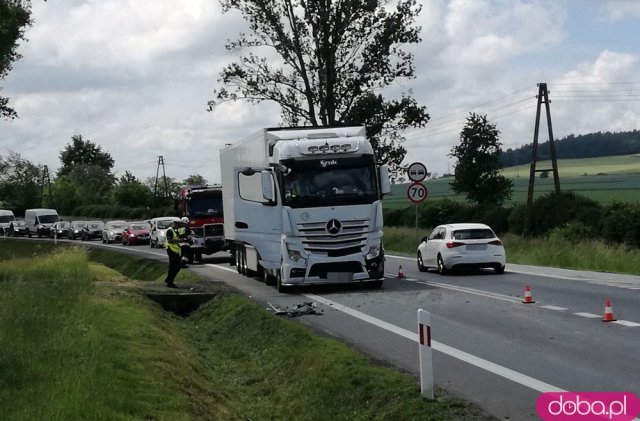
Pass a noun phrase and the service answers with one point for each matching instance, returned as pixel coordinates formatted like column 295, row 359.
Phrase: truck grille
column 351, row 238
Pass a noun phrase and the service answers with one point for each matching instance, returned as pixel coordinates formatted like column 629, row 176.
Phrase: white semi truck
column 303, row 206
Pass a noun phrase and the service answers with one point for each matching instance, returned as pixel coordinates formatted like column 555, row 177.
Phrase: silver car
column 112, row 231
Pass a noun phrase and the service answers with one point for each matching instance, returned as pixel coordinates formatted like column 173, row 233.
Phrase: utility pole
column 45, row 177
column 543, row 98
column 164, row 177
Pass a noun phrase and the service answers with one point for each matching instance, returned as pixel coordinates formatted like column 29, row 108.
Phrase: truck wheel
column 199, row 257
column 243, row 261
column 281, row 288
column 29, row 234
column 238, row 255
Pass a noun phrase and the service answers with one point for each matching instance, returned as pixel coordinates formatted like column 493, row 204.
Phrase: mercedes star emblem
column 334, row 226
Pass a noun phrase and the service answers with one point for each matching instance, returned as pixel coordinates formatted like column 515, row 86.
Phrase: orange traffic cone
column 400, row 272
column 528, row 299
column 608, row 312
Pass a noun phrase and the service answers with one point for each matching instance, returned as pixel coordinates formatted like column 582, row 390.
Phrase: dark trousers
column 174, row 266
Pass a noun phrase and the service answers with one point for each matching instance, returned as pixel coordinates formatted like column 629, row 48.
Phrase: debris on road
column 297, row 310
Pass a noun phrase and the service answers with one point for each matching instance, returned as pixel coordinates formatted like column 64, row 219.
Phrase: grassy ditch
column 553, row 251
column 79, row 343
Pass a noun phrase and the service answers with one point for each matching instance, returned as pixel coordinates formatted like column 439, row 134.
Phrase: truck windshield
column 315, row 187
column 203, row 207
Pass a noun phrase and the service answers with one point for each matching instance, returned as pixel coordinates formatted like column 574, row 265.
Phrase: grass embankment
column 79, row 343
column 554, row 252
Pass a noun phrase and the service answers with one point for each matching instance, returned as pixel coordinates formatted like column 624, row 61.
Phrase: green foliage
column 621, row 224
column 335, row 59
column 195, row 180
column 66, row 195
column 589, row 145
column 551, row 211
column 83, row 153
column 20, row 180
column 477, row 170
column 573, row 232
column 15, row 18
column 131, row 192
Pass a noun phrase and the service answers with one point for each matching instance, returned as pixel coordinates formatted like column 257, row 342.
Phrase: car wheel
column 499, row 270
column 421, row 266
column 29, row 234
column 442, row 270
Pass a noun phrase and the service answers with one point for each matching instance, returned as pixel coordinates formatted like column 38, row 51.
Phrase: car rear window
column 473, row 234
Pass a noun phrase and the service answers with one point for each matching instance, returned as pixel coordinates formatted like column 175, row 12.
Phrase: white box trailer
column 303, row 206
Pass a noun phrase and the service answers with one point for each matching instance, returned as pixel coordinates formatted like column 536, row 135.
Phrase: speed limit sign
column 417, row 192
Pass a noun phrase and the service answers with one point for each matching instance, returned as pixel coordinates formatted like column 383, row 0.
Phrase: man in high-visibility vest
column 172, row 245
column 185, row 246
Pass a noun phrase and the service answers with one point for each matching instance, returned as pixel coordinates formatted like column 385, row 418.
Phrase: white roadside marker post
column 425, row 351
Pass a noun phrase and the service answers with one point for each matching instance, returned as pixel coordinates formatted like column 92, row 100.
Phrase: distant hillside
column 590, row 145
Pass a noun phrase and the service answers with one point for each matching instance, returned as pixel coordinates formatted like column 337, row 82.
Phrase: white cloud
column 617, row 10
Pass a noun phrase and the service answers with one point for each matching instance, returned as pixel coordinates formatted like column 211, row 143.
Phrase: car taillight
column 454, row 244
column 495, row 243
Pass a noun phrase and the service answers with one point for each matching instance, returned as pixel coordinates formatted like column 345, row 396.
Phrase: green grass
column 79, row 342
column 554, row 252
column 621, row 164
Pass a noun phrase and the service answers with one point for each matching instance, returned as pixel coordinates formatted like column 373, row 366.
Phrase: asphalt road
column 489, row 347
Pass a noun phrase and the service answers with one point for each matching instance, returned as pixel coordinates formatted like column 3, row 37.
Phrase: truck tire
column 199, row 257
column 238, row 255
column 281, row 288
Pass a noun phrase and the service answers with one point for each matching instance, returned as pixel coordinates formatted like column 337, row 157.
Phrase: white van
column 6, row 217
column 39, row 221
column 158, row 230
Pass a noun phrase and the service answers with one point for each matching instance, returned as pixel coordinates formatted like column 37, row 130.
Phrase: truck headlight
column 161, row 233
column 294, row 255
column 374, row 251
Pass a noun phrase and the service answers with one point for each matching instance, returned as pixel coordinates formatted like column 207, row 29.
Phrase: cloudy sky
column 134, row 76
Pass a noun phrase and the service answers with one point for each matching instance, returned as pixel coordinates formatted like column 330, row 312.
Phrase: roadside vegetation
column 80, row 341
column 558, row 249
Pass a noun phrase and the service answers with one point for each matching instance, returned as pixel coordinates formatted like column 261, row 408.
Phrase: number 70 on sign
column 417, row 192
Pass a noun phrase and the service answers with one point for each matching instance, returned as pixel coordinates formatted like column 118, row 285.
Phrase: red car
column 136, row 233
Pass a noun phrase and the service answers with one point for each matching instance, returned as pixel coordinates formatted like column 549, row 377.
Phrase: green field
column 606, row 179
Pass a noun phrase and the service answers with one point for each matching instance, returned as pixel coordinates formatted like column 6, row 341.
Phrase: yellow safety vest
column 174, row 247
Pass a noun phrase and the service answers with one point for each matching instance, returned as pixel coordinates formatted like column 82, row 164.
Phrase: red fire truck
column 203, row 206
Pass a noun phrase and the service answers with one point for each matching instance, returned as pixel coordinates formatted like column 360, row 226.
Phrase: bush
column 621, row 224
column 551, row 211
column 573, row 232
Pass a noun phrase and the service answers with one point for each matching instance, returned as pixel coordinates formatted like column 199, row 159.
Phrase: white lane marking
column 228, row 269
column 627, row 323
column 494, row 368
column 589, row 315
column 555, row 308
column 472, row 291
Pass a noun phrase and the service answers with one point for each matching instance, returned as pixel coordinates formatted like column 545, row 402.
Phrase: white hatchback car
column 459, row 246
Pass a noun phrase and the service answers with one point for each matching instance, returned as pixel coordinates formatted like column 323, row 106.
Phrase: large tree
column 15, row 17
column 131, row 192
column 20, row 182
column 477, row 171
column 89, row 168
column 328, row 62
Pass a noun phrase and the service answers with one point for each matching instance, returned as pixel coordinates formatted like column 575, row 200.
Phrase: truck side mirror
column 267, row 186
column 385, row 185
